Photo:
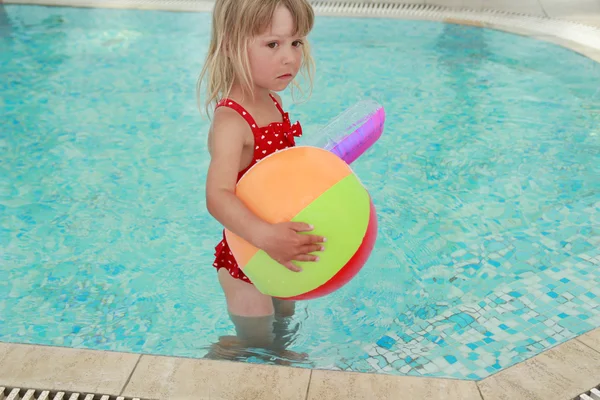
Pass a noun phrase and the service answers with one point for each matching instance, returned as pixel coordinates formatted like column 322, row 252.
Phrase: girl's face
column 276, row 54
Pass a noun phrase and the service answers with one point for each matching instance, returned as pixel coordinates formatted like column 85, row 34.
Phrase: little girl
column 257, row 48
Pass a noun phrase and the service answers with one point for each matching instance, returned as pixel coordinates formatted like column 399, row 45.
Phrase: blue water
column 485, row 181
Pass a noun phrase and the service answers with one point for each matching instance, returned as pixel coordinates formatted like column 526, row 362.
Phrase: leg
column 285, row 330
column 284, row 334
column 251, row 312
column 284, row 308
column 256, row 322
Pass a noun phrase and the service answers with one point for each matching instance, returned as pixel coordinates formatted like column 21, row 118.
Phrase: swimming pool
column 485, row 180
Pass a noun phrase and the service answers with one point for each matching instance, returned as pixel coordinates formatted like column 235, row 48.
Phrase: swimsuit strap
column 240, row 110
column 277, row 104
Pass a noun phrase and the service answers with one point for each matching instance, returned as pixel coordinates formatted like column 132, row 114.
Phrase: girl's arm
column 281, row 241
column 226, row 145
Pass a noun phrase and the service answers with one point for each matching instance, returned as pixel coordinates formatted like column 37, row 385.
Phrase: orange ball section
column 279, row 186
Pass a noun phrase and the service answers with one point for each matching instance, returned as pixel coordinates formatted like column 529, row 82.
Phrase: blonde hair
column 234, row 24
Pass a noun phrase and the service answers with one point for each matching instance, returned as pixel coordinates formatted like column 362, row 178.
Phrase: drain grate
column 8, row 393
column 380, row 8
column 593, row 394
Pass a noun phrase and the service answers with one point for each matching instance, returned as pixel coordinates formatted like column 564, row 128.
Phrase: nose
column 288, row 55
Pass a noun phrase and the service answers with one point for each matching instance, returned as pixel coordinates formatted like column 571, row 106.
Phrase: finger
column 301, row 227
column 311, row 248
column 292, row 267
column 310, row 239
column 306, row 257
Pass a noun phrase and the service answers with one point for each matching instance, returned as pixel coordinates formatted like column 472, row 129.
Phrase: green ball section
column 341, row 215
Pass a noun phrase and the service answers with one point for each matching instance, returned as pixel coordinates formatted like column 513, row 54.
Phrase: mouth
column 285, row 76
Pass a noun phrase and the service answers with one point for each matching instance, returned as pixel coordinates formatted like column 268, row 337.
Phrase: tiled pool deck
column 560, row 373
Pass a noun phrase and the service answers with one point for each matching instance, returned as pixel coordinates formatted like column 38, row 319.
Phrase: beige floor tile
column 332, row 385
column 563, row 8
column 592, row 338
column 594, row 55
column 560, row 373
column 585, row 50
column 181, row 379
column 591, row 19
column 64, row 369
column 530, row 7
column 552, row 8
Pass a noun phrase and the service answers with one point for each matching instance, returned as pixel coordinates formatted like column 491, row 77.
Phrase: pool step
column 12, row 393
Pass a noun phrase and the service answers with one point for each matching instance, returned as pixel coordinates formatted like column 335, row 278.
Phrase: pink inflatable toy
column 352, row 132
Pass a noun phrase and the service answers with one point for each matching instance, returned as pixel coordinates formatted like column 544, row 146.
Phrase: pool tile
column 560, row 373
column 58, row 368
column 181, row 378
column 331, row 385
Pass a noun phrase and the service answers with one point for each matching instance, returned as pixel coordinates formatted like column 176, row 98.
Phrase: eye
column 272, row 45
column 297, row 43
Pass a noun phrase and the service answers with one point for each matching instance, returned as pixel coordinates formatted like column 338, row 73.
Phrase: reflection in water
column 36, row 80
column 461, row 52
column 5, row 27
column 230, row 348
column 236, row 348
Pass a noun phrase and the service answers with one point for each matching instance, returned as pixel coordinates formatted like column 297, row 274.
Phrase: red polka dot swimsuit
column 267, row 140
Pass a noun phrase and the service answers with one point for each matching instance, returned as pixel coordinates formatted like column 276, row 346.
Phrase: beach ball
column 312, row 185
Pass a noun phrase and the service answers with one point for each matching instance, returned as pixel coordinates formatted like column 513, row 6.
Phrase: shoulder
column 228, row 127
column 225, row 118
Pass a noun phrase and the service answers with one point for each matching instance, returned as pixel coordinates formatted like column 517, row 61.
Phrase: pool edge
column 574, row 35
column 562, row 372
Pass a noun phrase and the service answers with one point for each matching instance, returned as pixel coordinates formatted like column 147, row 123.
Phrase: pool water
column 485, row 181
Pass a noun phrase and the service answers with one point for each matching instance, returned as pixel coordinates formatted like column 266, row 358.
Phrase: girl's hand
column 284, row 243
